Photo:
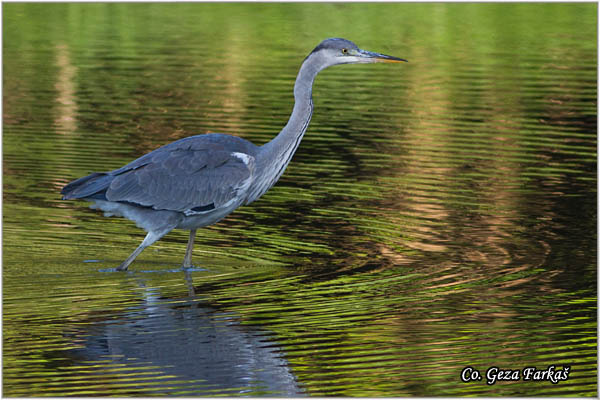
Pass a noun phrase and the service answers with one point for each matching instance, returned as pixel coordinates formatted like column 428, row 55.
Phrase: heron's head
column 341, row 51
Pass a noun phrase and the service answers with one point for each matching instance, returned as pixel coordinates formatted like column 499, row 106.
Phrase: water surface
column 437, row 215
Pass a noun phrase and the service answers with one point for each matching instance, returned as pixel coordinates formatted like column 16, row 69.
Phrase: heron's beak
column 371, row 57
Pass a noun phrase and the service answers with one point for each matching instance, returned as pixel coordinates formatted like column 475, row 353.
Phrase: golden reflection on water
column 65, row 86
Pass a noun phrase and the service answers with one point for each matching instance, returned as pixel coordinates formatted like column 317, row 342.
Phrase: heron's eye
column 344, row 51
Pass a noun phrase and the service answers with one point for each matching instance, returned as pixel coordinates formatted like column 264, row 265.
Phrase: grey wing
column 185, row 180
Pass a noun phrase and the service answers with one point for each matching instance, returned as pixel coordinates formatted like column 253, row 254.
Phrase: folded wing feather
column 184, row 179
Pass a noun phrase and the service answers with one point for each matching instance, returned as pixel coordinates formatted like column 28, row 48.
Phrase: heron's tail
column 91, row 186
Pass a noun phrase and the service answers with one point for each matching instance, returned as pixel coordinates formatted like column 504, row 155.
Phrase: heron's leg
column 150, row 238
column 190, row 283
column 187, row 260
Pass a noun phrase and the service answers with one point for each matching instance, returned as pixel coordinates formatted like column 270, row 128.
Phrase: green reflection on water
column 437, row 215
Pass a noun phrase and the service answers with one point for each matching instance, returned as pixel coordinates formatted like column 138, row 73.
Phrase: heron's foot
column 122, row 267
column 191, row 268
column 187, row 266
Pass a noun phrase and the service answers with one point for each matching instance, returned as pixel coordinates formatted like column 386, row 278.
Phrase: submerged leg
column 150, row 238
column 189, row 282
column 187, row 260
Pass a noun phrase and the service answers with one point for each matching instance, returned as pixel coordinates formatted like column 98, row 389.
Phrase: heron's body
column 160, row 184
column 197, row 181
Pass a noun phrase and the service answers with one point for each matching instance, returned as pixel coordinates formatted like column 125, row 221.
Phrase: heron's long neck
column 274, row 156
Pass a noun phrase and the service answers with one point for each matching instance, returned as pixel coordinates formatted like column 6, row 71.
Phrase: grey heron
column 198, row 180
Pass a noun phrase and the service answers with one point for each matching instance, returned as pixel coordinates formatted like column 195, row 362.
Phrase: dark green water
column 437, row 215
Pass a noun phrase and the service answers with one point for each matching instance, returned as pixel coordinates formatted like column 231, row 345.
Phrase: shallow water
column 437, row 215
